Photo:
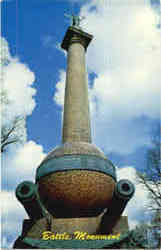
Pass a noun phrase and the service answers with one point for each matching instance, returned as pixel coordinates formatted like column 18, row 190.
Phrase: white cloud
column 4, row 51
column 21, row 163
column 16, row 83
column 29, row 156
column 127, row 87
column 60, row 89
column 128, row 83
column 10, row 204
column 19, row 160
column 58, row 46
column 12, row 218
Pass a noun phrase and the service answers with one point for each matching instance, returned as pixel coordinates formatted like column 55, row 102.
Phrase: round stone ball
column 76, row 193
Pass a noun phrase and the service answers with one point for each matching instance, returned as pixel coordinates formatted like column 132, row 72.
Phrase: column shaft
column 76, row 123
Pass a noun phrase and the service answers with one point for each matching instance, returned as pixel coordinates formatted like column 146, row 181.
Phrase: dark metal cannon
column 26, row 193
column 123, row 192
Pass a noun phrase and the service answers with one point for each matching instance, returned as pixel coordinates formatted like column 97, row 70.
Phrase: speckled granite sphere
column 76, row 193
column 75, row 185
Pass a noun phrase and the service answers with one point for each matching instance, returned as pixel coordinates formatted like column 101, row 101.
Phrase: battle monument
column 76, row 188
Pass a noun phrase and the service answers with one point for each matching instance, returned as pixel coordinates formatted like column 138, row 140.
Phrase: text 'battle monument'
column 76, row 193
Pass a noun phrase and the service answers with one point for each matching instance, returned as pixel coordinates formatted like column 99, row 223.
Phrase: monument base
column 71, row 244
column 70, row 233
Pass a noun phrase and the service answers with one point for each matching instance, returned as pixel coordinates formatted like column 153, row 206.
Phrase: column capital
column 74, row 35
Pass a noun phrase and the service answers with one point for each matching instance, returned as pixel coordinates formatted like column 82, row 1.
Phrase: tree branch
column 7, row 143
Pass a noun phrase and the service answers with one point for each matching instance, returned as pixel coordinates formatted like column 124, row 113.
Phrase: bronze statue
column 75, row 20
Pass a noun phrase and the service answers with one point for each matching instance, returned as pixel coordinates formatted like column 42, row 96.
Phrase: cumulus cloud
column 4, row 51
column 60, row 89
column 20, row 164
column 12, row 217
column 17, row 83
column 123, row 54
column 16, row 94
column 17, row 80
column 127, row 84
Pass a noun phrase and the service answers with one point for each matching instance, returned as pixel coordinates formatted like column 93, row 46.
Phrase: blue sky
column 123, row 86
column 37, row 21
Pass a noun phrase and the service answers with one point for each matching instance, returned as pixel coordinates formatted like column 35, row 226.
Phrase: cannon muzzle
column 123, row 192
column 26, row 193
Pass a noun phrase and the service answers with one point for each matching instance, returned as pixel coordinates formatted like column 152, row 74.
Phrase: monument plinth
column 76, row 187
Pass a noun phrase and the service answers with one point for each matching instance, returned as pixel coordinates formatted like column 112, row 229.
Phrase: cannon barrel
column 123, row 192
column 26, row 193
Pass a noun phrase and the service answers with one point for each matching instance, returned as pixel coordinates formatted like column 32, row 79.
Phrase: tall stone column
column 76, row 124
